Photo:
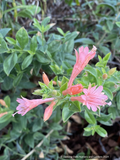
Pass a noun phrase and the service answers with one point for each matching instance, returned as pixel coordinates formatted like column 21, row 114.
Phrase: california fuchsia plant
column 89, row 97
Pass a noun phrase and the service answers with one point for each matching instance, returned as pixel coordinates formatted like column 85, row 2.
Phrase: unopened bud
column 39, row 34
column 59, row 83
column 2, row 102
column 54, row 83
column 94, row 49
column 48, row 111
column 37, row 92
column 111, row 71
column 54, row 93
column 105, row 76
column 45, row 79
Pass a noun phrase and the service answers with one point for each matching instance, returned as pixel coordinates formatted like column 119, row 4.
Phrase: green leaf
column 24, row 13
column 22, row 37
column 7, row 100
column 91, row 70
column 33, row 44
column 11, row 40
column 66, row 112
column 37, row 125
column 45, row 21
column 9, row 63
column 2, row 125
column 7, row 84
column 89, row 117
column 5, row 157
column 75, row 106
column 4, row 31
column 80, row 155
column 6, row 117
column 107, row 5
column 87, row 133
column 29, row 140
column 55, row 126
column 54, row 46
column 108, row 92
column 118, row 24
column 37, row 25
column 64, row 80
column 38, row 136
column 71, row 36
column 104, row 117
column 3, row 46
column 33, row 9
column 69, row 46
column 84, row 40
column 106, row 58
column 60, row 31
column 113, row 111
column 117, row 44
column 27, row 61
column 20, row 149
column 101, row 131
column 110, row 25
column 17, row 79
column 104, row 49
column 63, row 87
column 42, row 58
column 56, row 69
column 118, row 100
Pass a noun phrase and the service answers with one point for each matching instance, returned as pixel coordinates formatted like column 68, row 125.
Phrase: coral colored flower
column 2, row 102
column 26, row 104
column 48, row 111
column 73, row 90
column 2, row 114
column 45, row 79
column 93, row 98
column 82, row 59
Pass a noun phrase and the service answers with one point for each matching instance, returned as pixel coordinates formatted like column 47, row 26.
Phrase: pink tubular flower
column 93, row 98
column 26, row 104
column 82, row 59
column 2, row 114
column 48, row 111
column 73, row 90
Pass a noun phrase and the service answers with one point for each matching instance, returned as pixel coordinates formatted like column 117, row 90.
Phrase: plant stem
column 101, row 39
column 15, row 11
column 91, row 9
column 12, row 150
column 17, row 7
column 39, row 144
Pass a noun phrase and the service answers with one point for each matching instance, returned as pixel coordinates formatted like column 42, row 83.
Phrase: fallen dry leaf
column 41, row 155
column 76, row 118
column 112, row 143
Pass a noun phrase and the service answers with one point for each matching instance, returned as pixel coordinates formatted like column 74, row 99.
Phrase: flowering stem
column 39, row 144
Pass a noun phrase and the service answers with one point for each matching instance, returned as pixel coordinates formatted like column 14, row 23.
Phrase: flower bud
column 2, row 102
column 45, row 79
column 54, row 83
column 59, row 83
column 37, row 92
column 48, row 111
column 54, row 93
column 105, row 76
column 111, row 71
